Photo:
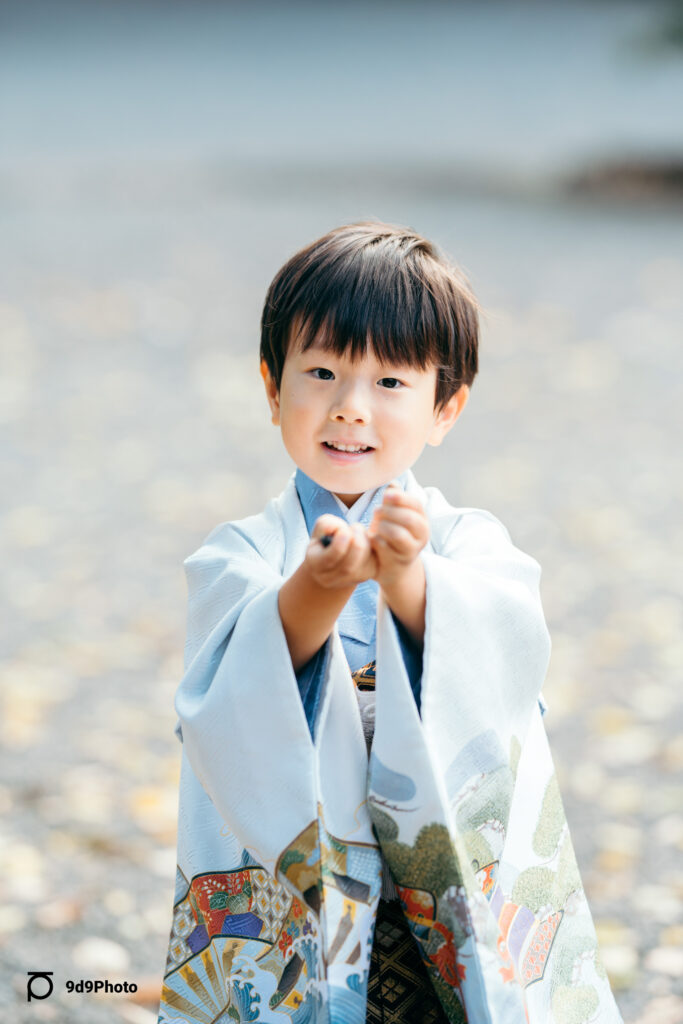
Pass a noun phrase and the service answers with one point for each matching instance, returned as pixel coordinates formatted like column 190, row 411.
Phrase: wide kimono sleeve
column 487, row 645
column 243, row 725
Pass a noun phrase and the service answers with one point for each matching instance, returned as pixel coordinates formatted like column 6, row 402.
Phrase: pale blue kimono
column 280, row 852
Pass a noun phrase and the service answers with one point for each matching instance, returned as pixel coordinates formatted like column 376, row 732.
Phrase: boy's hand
column 347, row 560
column 398, row 532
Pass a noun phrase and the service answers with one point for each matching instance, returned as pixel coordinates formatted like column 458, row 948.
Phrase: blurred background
column 158, row 163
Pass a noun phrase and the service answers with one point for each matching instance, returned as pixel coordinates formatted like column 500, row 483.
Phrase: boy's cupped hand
column 347, row 560
column 397, row 533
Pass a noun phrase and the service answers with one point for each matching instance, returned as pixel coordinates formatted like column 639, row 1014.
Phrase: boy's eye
column 390, row 382
column 320, row 373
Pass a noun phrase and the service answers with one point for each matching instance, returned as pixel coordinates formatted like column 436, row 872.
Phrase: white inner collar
column 353, row 514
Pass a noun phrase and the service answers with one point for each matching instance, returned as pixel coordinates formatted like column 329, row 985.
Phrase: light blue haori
column 279, row 863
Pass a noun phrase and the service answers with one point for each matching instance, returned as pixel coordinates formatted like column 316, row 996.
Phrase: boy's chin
column 349, row 485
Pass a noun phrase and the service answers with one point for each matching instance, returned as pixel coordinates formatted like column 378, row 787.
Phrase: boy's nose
column 350, row 406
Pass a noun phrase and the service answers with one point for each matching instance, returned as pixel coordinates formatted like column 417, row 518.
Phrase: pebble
column 671, row 755
column 665, row 960
column 632, row 746
column 97, row 954
column 672, row 936
column 12, row 919
column 657, row 902
column 667, row 1009
column 623, row 797
column 131, row 1013
column 615, row 835
column 59, row 913
column 610, row 719
column 133, row 927
column 118, row 902
column 669, row 831
column 621, row 964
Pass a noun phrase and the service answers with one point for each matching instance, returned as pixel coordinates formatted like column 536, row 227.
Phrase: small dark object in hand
column 326, row 539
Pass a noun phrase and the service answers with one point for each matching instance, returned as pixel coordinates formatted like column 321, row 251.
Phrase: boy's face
column 384, row 412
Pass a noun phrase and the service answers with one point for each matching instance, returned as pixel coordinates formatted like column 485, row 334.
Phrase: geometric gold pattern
column 271, row 902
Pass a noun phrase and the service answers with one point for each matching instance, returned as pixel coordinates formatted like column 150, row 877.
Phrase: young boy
column 369, row 825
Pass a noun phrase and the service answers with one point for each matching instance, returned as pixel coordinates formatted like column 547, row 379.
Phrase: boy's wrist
column 406, row 595
column 401, row 577
column 308, row 612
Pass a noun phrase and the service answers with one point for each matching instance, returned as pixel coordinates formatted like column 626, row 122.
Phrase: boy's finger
column 397, row 537
column 393, row 496
column 327, row 524
column 332, row 534
column 340, row 543
column 400, row 511
column 410, row 518
column 332, row 552
column 359, row 540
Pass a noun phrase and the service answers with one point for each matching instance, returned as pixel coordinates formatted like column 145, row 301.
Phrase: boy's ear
column 272, row 393
column 448, row 414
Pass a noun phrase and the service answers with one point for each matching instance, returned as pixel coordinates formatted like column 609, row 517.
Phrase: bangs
column 374, row 286
column 365, row 306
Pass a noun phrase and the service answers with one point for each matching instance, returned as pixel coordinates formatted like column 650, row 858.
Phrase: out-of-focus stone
column 618, row 833
column 155, row 809
column 614, row 933
column 610, row 719
column 97, row 954
column 132, row 1013
column 671, row 756
column 623, row 796
column 613, row 860
column 30, row 526
column 621, row 964
column 651, row 700
column 587, row 779
column 163, row 861
column 12, row 919
column 119, row 902
column 133, row 927
column 59, row 913
column 657, row 902
column 667, row 1009
column 22, row 867
column 672, row 936
column 665, row 960
column 669, row 831
column 148, row 991
column 631, row 746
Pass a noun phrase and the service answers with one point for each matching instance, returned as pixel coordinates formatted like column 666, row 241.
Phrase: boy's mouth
column 346, row 452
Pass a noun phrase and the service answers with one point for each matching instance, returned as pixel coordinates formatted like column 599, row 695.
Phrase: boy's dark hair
column 380, row 284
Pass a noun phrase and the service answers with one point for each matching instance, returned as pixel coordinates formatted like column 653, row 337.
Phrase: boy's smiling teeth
column 347, row 447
